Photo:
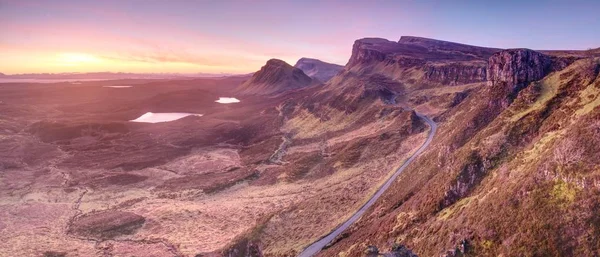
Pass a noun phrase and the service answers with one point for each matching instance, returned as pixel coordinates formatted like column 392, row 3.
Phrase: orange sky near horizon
column 69, row 48
column 60, row 62
column 82, row 36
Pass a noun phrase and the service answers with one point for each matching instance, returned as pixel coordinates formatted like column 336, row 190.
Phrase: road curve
column 315, row 247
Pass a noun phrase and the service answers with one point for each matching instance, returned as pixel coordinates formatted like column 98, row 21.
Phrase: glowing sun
column 73, row 59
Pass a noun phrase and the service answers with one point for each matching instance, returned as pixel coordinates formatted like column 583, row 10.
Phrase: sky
column 151, row 36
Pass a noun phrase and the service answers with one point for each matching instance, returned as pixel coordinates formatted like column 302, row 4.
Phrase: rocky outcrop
column 106, row 224
column 246, row 248
column 275, row 77
column 400, row 251
column 462, row 249
column 318, row 69
column 456, row 73
column 470, row 175
column 368, row 50
column 515, row 68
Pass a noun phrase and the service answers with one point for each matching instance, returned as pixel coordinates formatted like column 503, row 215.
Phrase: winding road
column 315, row 247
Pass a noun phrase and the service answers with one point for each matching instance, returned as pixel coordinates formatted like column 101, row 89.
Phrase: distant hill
column 275, row 76
column 318, row 69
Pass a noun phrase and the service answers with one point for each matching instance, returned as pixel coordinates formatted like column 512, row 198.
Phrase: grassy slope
column 502, row 186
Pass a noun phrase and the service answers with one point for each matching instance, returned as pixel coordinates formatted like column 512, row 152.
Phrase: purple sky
column 240, row 36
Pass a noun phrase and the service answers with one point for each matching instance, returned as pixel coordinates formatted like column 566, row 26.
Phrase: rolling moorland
column 512, row 170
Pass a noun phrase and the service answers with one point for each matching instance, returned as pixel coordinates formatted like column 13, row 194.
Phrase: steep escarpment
column 513, row 75
column 318, row 69
column 454, row 73
column 508, row 72
column 370, row 50
column 421, row 62
column 509, row 177
column 275, row 77
column 511, row 70
column 514, row 68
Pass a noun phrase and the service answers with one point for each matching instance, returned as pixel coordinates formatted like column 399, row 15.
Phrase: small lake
column 227, row 100
column 151, row 117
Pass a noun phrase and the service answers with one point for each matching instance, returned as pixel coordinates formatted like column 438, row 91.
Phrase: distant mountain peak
column 276, row 62
column 275, row 76
column 318, row 69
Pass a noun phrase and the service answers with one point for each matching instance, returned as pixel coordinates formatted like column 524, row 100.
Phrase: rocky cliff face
column 456, row 74
column 517, row 67
column 275, row 77
column 368, row 50
column 421, row 61
column 318, row 69
column 511, row 70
